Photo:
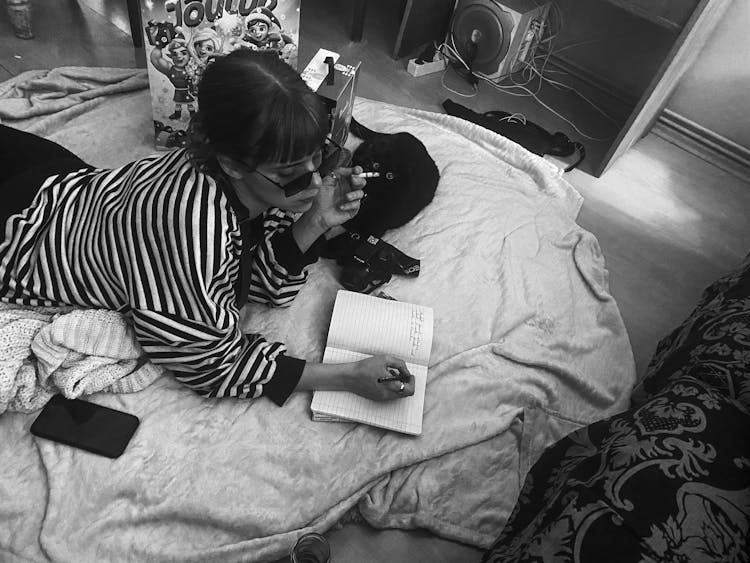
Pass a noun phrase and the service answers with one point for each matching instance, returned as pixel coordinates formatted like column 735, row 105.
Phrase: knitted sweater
column 45, row 350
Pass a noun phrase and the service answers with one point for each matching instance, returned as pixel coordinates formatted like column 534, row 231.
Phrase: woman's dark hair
column 254, row 107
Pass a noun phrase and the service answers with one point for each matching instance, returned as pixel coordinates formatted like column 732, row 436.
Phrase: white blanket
column 529, row 345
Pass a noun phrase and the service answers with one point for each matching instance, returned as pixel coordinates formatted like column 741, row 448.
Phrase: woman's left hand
column 339, row 197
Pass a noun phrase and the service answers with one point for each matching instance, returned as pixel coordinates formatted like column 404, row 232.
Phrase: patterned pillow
column 713, row 344
column 667, row 480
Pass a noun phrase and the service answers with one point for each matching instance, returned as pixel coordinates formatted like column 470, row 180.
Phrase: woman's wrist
column 326, row 377
column 306, row 230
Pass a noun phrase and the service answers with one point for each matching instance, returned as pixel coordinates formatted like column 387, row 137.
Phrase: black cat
column 407, row 183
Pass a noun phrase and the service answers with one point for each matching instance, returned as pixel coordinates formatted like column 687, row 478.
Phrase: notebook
column 363, row 326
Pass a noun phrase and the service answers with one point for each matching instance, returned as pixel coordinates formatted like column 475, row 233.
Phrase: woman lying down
column 178, row 242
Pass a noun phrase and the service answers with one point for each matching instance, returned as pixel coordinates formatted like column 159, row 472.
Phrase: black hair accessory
column 524, row 132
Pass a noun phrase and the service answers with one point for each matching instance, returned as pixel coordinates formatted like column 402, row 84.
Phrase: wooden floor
column 669, row 223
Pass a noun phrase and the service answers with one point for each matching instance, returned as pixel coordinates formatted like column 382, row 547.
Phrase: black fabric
column 28, row 160
column 526, row 133
column 669, row 479
column 713, row 344
column 288, row 373
column 288, row 253
column 288, row 369
column 368, row 262
column 407, row 181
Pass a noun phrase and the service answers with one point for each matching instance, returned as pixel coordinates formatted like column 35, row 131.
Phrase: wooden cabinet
column 423, row 21
column 672, row 14
column 692, row 22
column 677, row 29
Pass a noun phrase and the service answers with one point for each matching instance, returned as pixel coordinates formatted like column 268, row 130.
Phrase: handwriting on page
column 375, row 326
column 416, row 330
column 362, row 326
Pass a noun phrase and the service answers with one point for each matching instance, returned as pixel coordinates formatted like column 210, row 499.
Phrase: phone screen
column 85, row 425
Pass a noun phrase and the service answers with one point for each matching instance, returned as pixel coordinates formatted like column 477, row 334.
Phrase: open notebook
column 363, row 326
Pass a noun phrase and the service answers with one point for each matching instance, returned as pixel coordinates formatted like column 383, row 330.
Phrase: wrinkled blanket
column 45, row 350
column 101, row 114
column 529, row 345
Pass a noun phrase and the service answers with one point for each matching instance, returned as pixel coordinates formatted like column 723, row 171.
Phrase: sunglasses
column 331, row 152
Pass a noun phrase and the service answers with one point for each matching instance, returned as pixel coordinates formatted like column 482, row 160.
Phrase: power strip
column 422, row 69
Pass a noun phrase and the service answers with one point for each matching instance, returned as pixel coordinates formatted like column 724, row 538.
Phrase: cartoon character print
column 263, row 31
column 204, row 45
column 173, row 63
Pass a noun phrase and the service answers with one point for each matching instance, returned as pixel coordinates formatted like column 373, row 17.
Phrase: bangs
column 296, row 126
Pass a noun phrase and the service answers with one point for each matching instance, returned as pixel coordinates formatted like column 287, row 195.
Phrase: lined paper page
column 372, row 325
column 403, row 415
column 363, row 326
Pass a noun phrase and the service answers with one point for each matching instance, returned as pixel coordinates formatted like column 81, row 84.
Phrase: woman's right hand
column 339, row 198
column 360, row 377
column 365, row 375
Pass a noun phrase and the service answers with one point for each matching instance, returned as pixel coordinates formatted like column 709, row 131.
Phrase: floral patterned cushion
column 667, row 480
column 713, row 344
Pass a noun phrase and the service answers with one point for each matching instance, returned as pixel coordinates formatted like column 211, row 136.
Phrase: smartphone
column 88, row 426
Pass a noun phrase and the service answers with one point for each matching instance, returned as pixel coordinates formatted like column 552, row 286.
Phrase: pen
column 386, row 379
column 395, row 377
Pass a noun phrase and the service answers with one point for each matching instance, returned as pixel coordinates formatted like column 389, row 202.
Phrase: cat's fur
column 391, row 203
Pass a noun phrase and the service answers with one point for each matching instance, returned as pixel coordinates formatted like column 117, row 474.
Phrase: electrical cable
column 556, row 84
column 442, row 81
column 531, row 71
column 566, row 120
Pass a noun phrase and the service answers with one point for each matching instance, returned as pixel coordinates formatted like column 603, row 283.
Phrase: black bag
column 526, row 133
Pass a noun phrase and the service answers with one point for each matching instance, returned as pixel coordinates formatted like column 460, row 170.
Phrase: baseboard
column 673, row 127
column 704, row 143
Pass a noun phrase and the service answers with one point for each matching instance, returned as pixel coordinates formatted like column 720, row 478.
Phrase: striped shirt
column 160, row 242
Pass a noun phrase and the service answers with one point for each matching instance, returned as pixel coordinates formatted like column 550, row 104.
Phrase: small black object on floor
column 522, row 131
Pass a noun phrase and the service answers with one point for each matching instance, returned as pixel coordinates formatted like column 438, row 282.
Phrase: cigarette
column 369, row 175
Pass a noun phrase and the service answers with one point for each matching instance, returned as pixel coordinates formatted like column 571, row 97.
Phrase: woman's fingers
column 358, row 182
column 353, row 175
column 353, row 200
column 350, row 206
column 405, row 386
column 355, row 195
column 408, row 386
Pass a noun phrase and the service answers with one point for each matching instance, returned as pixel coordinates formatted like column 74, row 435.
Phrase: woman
column 178, row 241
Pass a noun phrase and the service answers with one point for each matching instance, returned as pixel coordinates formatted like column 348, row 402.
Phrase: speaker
column 497, row 37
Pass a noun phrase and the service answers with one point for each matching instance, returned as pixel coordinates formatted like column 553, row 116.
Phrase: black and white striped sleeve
column 218, row 361
column 278, row 266
column 187, row 319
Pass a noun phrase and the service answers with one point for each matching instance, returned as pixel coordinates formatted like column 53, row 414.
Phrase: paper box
column 335, row 81
column 182, row 37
